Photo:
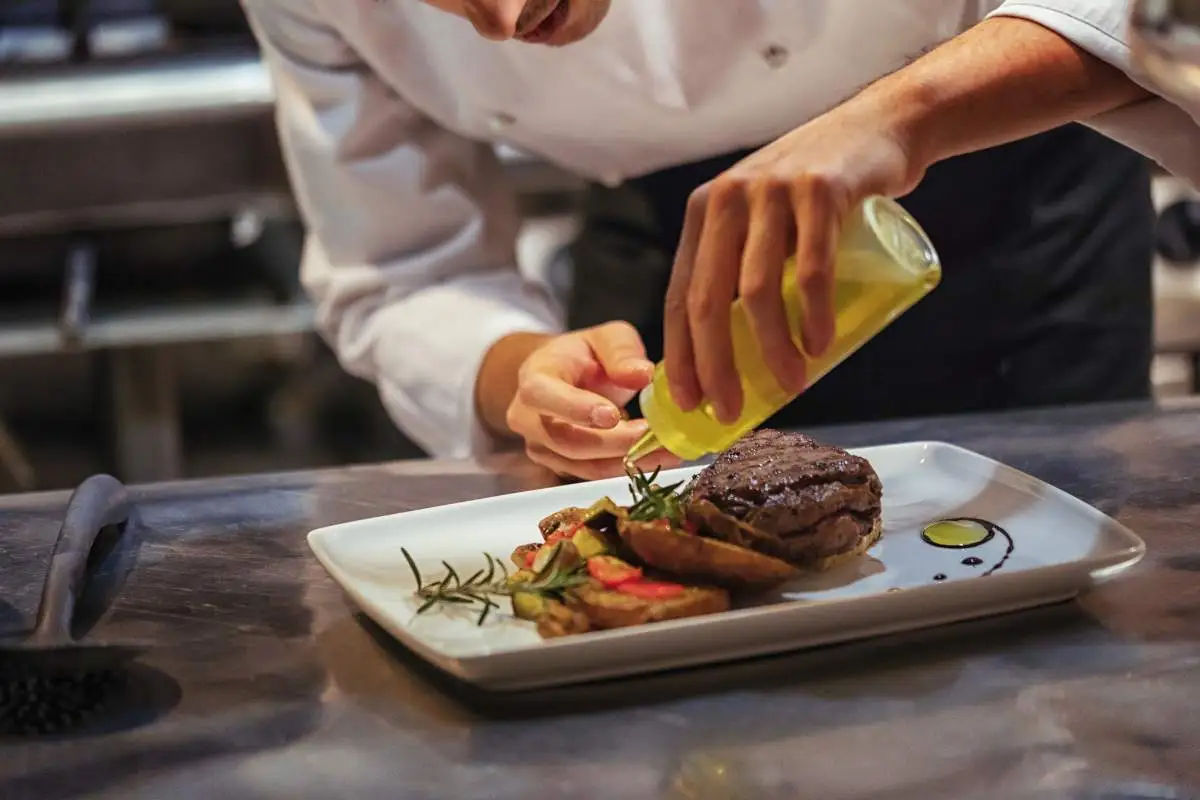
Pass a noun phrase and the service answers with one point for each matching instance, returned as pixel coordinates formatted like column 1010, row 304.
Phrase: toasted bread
column 693, row 557
column 611, row 608
column 561, row 620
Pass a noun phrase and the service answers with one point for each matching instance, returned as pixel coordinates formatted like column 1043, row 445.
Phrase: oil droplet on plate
column 964, row 533
column 957, row 533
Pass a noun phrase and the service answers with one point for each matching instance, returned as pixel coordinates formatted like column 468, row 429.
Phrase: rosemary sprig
column 651, row 501
column 554, row 583
column 453, row 590
column 484, row 584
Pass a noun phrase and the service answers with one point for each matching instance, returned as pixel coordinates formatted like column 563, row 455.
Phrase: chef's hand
column 568, row 401
column 788, row 198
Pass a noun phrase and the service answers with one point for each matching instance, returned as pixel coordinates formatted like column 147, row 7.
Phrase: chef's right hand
column 569, row 398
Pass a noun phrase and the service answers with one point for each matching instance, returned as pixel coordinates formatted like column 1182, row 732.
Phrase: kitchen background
column 151, row 324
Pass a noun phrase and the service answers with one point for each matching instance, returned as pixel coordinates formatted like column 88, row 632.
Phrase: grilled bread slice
column 612, row 608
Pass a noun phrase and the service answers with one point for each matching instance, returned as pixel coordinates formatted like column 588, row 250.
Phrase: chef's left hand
column 788, row 198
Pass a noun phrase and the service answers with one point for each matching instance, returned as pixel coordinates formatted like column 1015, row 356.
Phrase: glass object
column 884, row 264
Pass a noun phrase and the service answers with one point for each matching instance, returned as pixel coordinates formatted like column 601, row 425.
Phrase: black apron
column 1046, row 246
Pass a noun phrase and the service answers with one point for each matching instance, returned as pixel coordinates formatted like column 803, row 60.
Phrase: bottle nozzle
column 643, row 447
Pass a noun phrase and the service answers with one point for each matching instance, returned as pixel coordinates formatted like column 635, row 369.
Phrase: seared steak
column 809, row 501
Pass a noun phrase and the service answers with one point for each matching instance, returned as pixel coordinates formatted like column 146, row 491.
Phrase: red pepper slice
column 565, row 532
column 530, row 556
column 612, row 572
column 651, row 590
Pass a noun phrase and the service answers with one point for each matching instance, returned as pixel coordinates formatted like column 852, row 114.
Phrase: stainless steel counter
column 265, row 683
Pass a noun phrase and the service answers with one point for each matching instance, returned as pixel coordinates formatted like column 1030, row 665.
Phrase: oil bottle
column 884, row 264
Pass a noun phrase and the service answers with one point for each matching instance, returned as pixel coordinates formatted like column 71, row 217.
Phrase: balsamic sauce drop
column 963, row 533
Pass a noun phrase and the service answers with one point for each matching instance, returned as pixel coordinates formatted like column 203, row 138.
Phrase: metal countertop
column 265, row 683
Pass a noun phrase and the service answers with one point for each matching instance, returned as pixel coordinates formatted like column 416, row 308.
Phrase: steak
column 809, row 502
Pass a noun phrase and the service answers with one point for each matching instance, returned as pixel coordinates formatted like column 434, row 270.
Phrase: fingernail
column 819, row 341
column 605, row 416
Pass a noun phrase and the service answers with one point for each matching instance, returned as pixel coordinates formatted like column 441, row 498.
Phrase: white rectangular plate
column 1061, row 546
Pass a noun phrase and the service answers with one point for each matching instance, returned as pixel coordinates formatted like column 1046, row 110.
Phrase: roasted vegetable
column 693, row 557
column 523, row 556
column 559, row 519
column 591, row 542
column 560, row 557
column 529, row 605
column 519, row 578
column 603, row 515
column 612, row 572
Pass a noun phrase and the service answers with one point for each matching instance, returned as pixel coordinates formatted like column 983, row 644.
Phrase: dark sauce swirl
column 962, row 533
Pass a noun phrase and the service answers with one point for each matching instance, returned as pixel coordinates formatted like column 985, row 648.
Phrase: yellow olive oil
column 957, row 534
column 884, row 264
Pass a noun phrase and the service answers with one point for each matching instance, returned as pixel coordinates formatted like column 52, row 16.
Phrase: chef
column 720, row 136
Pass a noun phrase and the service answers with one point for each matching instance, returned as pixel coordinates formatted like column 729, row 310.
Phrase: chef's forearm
column 1002, row 80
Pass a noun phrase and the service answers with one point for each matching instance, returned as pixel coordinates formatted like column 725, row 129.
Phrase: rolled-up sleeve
column 1164, row 128
column 410, row 255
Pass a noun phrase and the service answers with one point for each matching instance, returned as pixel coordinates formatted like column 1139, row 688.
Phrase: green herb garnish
column 554, row 583
column 483, row 585
column 651, row 501
column 453, row 590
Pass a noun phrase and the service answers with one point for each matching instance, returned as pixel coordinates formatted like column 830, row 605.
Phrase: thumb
column 621, row 354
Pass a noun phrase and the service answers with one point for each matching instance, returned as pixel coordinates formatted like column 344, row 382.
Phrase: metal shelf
column 167, row 325
column 181, row 88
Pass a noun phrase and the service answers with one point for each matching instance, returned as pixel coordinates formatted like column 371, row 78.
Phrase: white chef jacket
column 387, row 110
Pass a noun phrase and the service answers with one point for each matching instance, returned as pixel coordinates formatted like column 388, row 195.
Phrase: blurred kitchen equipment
column 131, row 166
column 1165, row 39
column 147, row 230
column 884, row 264
column 1176, row 288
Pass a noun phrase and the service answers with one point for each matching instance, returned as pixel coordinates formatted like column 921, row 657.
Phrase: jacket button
column 775, row 55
